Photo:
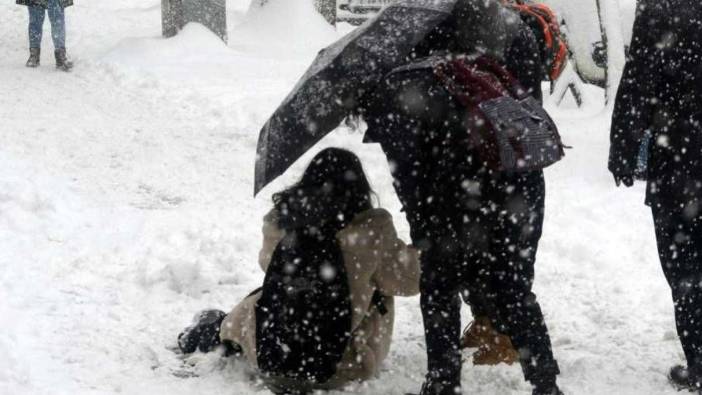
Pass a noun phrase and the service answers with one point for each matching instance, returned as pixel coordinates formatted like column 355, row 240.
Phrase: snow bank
column 582, row 21
column 38, row 216
column 283, row 27
column 194, row 44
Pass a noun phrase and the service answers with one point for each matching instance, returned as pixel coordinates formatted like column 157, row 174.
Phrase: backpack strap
column 507, row 79
column 378, row 300
column 479, row 80
column 468, row 83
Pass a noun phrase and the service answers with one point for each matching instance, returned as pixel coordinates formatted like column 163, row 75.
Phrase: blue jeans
column 58, row 24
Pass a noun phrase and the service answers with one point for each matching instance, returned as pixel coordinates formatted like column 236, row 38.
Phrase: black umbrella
column 338, row 77
column 352, row 66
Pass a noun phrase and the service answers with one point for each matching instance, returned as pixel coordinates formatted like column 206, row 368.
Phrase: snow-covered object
column 282, row 26
column 189, row 45
column 611, row 24
column 178, row 13
column 582, row 21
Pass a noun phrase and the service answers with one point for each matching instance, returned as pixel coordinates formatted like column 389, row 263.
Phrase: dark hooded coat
column 44, row 3
column 661, row 96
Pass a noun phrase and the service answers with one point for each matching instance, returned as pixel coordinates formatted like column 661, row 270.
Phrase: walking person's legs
column 679, row 239
column 36, row 24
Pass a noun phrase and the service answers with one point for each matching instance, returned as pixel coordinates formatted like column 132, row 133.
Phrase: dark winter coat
column 44, row 3
column 661, row 93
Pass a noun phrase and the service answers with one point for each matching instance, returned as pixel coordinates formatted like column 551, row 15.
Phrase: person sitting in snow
column 324, row 315
column 37, row 12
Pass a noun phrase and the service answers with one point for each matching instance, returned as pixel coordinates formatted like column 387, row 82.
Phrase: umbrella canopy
column 343, row 72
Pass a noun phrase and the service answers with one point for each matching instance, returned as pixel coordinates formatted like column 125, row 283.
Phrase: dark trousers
column 679, row 237
column 477, row 230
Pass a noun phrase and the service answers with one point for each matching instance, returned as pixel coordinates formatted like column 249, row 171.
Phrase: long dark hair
column 332, row 190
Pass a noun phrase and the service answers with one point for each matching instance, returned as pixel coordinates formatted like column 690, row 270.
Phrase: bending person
column 476, row 227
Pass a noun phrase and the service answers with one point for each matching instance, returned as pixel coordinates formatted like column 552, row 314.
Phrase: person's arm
column 398, row 272
column 271, row 237
column 523, row 60
column 635, row 101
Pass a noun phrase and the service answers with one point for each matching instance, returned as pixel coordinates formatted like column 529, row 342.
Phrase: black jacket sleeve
column 639, row 87
column 523, row 60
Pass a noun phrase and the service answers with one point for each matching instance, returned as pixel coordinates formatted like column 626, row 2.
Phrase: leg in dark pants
column 441, row 313
column 679, row 237
column 516, row 210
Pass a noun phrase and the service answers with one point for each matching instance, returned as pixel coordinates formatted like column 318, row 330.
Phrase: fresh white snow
column 126, row 206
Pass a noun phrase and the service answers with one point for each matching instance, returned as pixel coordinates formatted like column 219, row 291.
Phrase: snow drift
column 282, row 27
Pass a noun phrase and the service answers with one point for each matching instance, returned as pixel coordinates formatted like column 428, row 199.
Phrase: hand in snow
column 626, row 179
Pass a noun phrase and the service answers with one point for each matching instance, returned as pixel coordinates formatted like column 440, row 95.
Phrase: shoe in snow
column 498, row 349
column 683, row 378
column 434, row 388
column 476, row 332
column 203, row 334
column 34, row 57
column 552, row 390
column 62, row 62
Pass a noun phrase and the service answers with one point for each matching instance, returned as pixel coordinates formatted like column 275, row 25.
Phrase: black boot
column 437, row 388
column 547, row 390
column 203, row 334
column 34, row 57
column 683, row 378
column 62, row 62
column 545, row 386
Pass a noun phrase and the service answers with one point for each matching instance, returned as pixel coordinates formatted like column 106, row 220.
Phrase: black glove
column 626, row 179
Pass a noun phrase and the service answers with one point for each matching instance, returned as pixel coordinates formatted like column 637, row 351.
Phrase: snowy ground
column 125, row 206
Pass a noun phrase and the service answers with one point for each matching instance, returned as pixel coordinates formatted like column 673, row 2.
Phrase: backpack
column 303, row 317
column 508, row 129
column 542, row 18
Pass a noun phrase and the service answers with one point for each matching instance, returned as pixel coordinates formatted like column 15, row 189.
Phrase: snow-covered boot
column 683, row 378
column 34, row 57
column 62, row 62
column 547, row 391
column 203, row 334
